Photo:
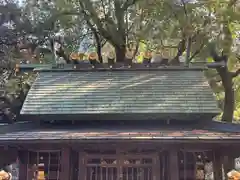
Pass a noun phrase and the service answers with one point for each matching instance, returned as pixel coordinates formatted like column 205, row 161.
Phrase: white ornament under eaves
column 237, row 164
column 182, row 59
column 208, row 168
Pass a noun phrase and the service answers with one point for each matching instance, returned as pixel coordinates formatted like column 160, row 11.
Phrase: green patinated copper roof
column 110, row 92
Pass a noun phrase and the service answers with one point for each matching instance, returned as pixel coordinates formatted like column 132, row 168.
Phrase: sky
column 20, row 2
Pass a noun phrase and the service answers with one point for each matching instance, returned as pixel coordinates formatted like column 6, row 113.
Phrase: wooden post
column 217, row 165
column 23, row 166
column 74, row 164
column 31, row 171
column 173, row 169
column 7, row 156
column 82, row 166
column 65, row 164
column 228, row 164
column 157, row 168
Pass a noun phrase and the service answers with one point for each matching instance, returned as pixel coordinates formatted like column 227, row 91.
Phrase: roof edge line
column 117, row 69
column 105, row 67
column 119, row 140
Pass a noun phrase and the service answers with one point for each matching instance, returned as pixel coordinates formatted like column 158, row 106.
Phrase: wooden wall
column 71, row 156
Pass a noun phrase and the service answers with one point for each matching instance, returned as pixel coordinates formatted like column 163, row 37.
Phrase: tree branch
column 213, row 53
column 184, row 8
column 173, row 11
column 119, row 14
column 4, row 9
column 196, row 52
column 232, row 3
column 238, row 57
column 87, row 5
column 128, row 3
column 235, row 74
column 104, row 10
column 93, row 16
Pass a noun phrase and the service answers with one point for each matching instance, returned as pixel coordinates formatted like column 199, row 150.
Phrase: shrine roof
column 170, row 93
column 30, row 132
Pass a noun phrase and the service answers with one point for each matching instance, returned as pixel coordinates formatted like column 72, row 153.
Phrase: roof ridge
column 85, row 67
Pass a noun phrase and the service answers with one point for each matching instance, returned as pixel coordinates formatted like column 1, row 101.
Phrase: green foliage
column 19, row 83
column 156, row 24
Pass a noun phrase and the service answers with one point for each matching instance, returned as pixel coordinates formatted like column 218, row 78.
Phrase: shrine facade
column 126, row 124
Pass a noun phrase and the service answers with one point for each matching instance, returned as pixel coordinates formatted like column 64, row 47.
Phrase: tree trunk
column 181, row 49
column 98, row 42
column 61, row 53
column 99, row 47
column 99, row 52
column 227, row 82
column 189, row 44
column 136, row 50
column 229, row 94
column 120, row 53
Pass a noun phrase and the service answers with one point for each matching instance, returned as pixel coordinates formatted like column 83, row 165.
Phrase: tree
column 185, row 27
column 177, row 25
column 226, row 14
column 106, row 19
column 16, row 31
column 206, row 19
column 110, row 20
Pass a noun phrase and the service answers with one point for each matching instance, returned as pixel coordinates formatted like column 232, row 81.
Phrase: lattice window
column 44, row 165
column 138, row 169
column 101, row 169
column 119, row 166
column 195, row 165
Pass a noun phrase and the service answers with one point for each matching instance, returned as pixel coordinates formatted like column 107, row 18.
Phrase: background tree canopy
column 178, row 30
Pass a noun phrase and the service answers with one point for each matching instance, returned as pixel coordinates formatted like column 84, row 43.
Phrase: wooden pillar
column 65, row 164
column 8, row 156
column 217, row 165
column 81, row 166
column 226, row 159
column 23, row 166
column 157, row 168
column 173, row 169
column 31, row 171
column 74, row 165
column 228, row 164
